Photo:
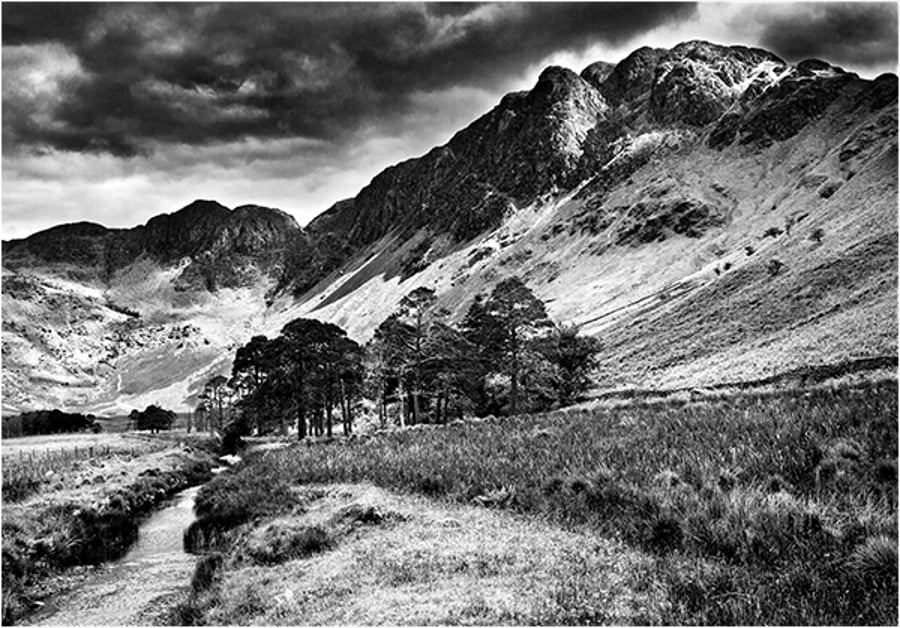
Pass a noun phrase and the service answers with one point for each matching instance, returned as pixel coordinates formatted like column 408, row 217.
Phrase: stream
column 140, row 587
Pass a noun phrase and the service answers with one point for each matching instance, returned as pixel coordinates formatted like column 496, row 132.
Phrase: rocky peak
column 698, row 81
column 81, row 229
column 254, row 229
column 632, row 76
column 185, row 232
column 597, row 72
column 710, row 53
column 78, row 243
column 817, row 67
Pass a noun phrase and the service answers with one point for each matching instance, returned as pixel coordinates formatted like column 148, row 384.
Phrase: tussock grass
column 31, row 463
column 775, row 508
column 400, row 559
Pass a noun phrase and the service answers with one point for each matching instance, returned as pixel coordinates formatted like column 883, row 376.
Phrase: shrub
column 277, row 543
column 205, row 573
column 886, row 472
column 775, row 267
column 666, row 534
column 875, row 560
column 772, row 232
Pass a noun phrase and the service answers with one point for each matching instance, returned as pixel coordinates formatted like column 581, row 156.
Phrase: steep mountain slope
column 711, row 213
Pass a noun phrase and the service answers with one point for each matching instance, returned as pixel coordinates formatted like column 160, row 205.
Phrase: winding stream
column 141, row 586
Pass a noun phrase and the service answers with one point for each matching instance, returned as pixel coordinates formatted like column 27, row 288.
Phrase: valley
column 655, row 224
column 621, row 350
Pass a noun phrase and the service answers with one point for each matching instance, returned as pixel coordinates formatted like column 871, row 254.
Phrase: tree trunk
column 301, row 417
column 329, row 405
column 415, row 406
column 343, row 398
column 381, row 417
column 349, row 417
column 514, row 384
column 402, row 398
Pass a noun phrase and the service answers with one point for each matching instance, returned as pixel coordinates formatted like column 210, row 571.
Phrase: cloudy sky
column 116, row 112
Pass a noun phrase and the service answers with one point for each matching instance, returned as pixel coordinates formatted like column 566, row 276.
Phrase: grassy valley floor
column 742, row 509
column 357, row 554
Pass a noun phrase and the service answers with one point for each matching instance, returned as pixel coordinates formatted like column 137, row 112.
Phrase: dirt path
column 139, row 588
column 397, row 559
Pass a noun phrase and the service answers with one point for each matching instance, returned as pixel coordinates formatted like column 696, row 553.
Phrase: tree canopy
column 506, row 356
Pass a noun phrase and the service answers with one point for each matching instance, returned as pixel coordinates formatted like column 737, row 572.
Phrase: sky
column 116, row 112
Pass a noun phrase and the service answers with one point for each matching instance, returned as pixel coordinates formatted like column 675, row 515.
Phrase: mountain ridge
column 649, row 177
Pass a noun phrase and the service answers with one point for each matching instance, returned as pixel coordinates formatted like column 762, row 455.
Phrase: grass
column 32, row 462
column 370, row 556
column 777, row 508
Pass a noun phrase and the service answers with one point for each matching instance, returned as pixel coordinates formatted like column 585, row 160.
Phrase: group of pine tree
column 505, row 357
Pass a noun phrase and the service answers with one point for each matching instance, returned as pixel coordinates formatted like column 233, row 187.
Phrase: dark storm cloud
column 198, row 73
column 857, row 33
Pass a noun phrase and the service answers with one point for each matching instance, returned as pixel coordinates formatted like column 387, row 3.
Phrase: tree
column 253, row 365
column 451, row 367
column 215, row 394
column 414, row 308
column 318, row 359
column 502, row 325
column 377, row 371
column 393, row 339
column 154, row 418
column 575, row 356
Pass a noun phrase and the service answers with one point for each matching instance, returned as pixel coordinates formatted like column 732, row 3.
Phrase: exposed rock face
column 697, row 82
column 633, row 76
column 572, row 128
column 655, row 220
column 596, row 73
column 206, row 233
column 531, row 142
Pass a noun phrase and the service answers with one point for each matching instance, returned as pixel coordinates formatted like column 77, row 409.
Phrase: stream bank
column 139, row 588
column 63, row 536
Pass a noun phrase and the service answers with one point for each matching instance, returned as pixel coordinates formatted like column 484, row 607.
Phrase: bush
column 205, row 573
column 875, row 560
column 278, row 543
column 775, row 267
column 153, row 418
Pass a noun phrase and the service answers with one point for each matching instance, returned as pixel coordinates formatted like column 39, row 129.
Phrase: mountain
column 94, row 315
column 712, row 213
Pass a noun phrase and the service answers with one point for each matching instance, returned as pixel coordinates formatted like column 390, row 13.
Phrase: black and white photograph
column 469, row 313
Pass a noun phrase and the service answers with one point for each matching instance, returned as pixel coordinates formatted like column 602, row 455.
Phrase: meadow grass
column 31, row 462
column 761, row 508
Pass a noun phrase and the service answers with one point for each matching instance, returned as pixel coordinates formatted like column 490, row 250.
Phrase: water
column 140, row 587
